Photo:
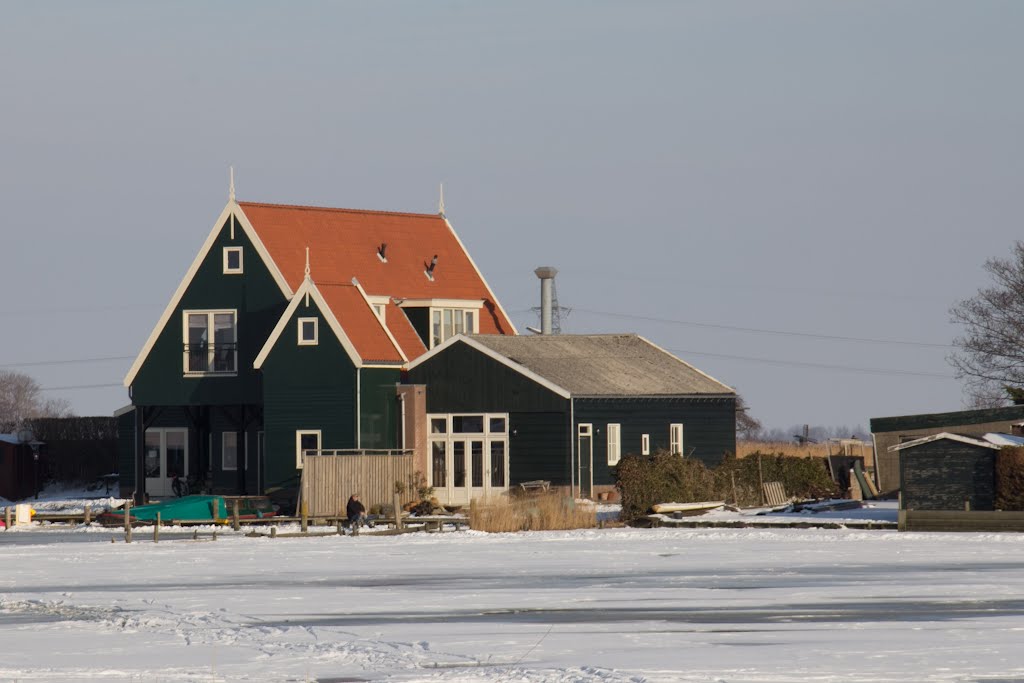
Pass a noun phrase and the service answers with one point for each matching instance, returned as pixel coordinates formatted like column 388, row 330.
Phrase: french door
column 469, row 457
column 166, row 455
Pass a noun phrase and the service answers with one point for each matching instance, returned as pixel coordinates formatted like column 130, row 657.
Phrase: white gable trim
column 381, row 300
column 308, row 287
column 697, row 370
column 943, row 435
column 480, row 275
column 232, row 208
column 491, row 353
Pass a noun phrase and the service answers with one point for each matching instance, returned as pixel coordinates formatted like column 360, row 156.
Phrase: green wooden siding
column 460, row 379
column 306, row 387
column 259, row 304
column 378, row 405
column 709, row 427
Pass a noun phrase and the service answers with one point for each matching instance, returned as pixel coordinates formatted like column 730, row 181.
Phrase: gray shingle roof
column 604, row 364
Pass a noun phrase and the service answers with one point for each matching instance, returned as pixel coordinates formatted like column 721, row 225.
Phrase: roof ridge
column 305, row 207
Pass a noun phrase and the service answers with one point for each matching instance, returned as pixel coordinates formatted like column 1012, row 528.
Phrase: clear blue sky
column 834, row 169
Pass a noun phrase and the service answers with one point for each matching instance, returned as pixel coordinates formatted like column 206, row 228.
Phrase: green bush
column 1010, row 478
column 644, row 480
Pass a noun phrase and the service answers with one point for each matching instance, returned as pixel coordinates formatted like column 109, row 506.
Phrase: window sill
column 232, row 373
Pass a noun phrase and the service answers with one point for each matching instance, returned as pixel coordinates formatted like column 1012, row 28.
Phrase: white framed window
column 645, row 444
column 614, row 443
column 305, row 440
column 210, row 342
column 229, row 451
column 445, row 323
column 309, row 331
column 233, row 260
column 675, row 438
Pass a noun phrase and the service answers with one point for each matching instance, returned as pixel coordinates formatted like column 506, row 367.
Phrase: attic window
column 232, row 260
column 309, row 331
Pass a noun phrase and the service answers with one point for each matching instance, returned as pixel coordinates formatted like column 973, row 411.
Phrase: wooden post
column 967, row 504
column 341, row 532
column 760, row 477
column 7, row 517
column 88, row 515
column 398, row 510
column 234, row 516
column 273, row 532
column 305, row 518
column 156, row 529
column 128, row 521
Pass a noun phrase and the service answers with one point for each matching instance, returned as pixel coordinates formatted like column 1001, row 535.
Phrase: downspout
column 359, row 407
column 401, row 397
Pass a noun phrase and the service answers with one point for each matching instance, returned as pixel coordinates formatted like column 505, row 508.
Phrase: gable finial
column 440, row 204
column 307, row 263
column 231, row 187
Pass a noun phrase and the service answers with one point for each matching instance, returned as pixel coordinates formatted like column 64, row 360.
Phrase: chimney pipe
column 547, row 280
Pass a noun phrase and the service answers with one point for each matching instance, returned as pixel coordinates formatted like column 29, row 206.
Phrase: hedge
column 644, row 480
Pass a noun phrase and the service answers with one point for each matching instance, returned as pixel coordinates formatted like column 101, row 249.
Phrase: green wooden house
column 289, row 332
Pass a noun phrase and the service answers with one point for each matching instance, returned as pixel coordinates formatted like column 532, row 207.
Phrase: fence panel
column 329, row 480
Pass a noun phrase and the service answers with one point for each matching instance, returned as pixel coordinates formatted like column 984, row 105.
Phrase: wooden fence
column 957, row 520
column 329, row 480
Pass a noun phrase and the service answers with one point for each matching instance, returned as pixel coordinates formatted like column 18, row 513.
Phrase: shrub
column 1010, row 478
column 545, row 512
column 644, row 480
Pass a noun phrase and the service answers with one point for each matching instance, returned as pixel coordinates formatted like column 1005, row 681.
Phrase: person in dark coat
column 356, row 511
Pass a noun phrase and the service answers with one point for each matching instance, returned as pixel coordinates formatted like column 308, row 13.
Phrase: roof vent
column 381, row 252
column 429, row 272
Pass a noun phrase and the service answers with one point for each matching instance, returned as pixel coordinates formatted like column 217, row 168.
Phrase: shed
column 563, row 409
column 947, row 472
column 887, row 432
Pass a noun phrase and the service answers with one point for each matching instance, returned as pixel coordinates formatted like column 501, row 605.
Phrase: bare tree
column 748, row 427
column 990, row 352
column 21, row 399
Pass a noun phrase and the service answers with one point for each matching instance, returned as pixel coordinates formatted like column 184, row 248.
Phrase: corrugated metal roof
column 605, row 365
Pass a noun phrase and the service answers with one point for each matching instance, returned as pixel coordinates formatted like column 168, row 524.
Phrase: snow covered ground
column 743, row 605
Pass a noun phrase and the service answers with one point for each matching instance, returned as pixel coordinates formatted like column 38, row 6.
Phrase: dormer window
column 232, row 260
column 445, row 323
column 309, row 331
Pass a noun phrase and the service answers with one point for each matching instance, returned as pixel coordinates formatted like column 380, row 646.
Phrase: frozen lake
column 747, row 605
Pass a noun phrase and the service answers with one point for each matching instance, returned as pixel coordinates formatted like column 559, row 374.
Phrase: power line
column 70, row 361
column 82, row 386
column 756, row 330
column 816, row 366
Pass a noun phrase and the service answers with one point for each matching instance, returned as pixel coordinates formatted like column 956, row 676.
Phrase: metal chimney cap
column 546, row 272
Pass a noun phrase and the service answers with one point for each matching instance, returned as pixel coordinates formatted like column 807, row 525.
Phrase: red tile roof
column 360, row 323
column 403, row 331
column 343, row 244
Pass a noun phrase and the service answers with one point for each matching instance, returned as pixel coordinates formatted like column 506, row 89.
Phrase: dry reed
column 811, row 450
column 533, row 513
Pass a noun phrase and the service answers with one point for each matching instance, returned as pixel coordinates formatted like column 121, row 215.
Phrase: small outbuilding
column 947, row 472
column 887, row 432
column 502, row 411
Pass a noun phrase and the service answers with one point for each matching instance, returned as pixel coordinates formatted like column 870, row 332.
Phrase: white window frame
column 299, row 433
column 645, row 444
column 223, row 450
column 675, row 438
column 614, row 443
column 228, row 270
column 442, row 336
column 316, row 332
column 211, row 346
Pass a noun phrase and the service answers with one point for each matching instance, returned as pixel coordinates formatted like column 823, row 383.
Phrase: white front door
column 468, row 457
column 166, row 455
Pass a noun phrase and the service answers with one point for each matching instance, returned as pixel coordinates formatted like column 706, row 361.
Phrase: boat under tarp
column 194, row 508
